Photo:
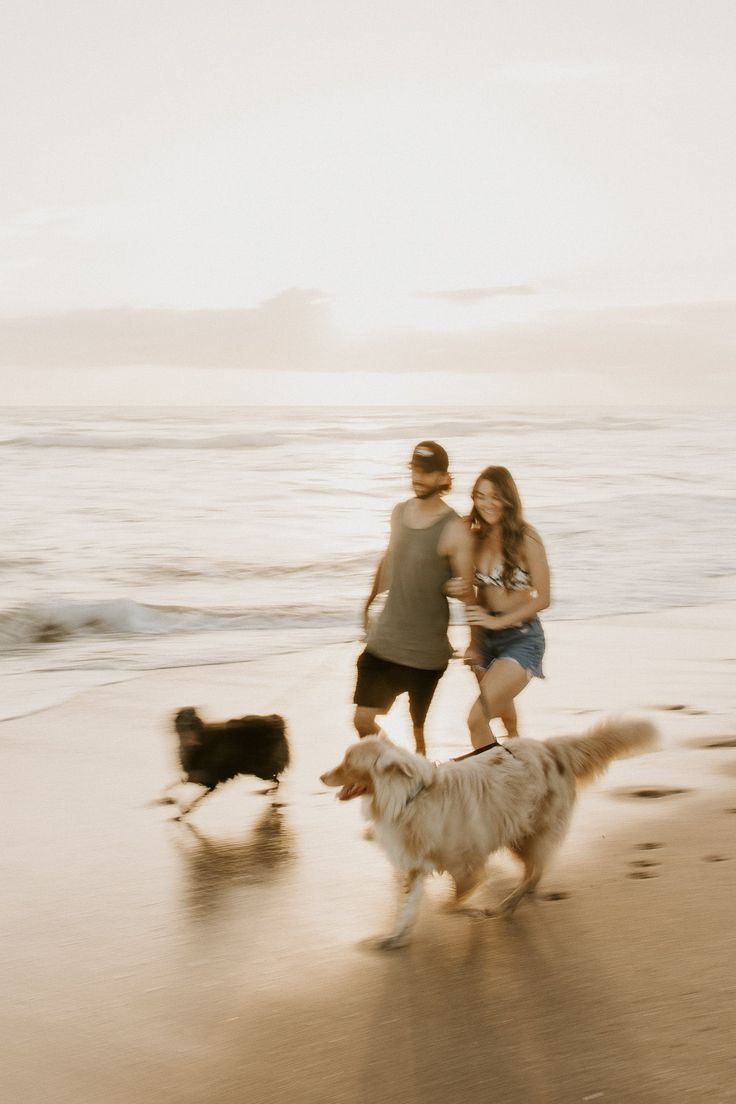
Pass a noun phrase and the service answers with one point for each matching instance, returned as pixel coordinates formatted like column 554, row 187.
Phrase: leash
column 480, row 750
column 468, row 755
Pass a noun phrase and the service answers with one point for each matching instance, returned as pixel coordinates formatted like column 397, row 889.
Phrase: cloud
column 664, row 340
column 291, row 329
column 293, row 332
column 471, row 296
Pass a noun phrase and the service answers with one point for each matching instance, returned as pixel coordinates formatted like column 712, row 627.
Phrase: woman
column 512, row 586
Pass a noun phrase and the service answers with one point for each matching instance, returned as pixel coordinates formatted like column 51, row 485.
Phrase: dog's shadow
column 215, row 868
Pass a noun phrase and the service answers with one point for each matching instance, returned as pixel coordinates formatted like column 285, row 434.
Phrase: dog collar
column 415, row 795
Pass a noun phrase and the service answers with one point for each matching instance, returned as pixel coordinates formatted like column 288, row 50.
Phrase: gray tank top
column 412, row 626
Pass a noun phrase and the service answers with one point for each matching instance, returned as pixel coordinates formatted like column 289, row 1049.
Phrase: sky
column 325, row 201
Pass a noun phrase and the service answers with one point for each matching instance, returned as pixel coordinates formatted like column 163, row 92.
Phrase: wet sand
column 149, row 960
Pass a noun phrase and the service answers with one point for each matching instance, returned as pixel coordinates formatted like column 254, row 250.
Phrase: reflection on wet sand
column 217, row 867
column 492, row 1010
column 145, row 960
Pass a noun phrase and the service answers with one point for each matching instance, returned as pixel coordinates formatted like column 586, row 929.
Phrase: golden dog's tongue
column 350, row 791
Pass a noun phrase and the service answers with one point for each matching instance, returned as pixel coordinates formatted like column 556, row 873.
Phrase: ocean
column 136, row 539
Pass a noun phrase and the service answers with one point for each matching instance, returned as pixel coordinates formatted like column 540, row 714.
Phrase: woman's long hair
column 513, row 526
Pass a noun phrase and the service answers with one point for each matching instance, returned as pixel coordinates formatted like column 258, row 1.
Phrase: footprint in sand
column 555, row 895
column 715, row 858
column 714, row 743
column 649, row 791
column 645, row 868
column 689, row 709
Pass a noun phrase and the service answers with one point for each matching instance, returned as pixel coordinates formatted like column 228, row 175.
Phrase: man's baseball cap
column 430, row 456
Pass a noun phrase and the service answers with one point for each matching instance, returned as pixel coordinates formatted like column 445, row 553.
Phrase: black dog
column 214, row 753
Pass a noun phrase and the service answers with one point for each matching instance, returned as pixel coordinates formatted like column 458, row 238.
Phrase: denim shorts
column 523, row 643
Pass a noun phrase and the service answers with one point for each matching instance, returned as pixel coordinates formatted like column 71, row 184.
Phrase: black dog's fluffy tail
column 588, row 756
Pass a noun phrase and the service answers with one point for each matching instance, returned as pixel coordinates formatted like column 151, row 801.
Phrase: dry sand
column 144, row 960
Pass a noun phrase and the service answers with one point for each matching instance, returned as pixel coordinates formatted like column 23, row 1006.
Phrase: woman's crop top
column 520, row 579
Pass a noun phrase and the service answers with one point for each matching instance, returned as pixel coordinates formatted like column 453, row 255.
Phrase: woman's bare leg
column 498, row 688
column 509, row 720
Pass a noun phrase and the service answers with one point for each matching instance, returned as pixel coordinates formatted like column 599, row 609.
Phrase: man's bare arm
column 462, row 585
column 377, row 588
column 459, row 550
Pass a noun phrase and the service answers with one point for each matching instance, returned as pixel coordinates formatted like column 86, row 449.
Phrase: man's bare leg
column 364, row 720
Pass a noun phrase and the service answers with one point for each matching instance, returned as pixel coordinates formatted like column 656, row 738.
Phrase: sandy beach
column 149, row 960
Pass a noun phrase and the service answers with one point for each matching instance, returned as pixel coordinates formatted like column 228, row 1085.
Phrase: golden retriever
column 451, row 816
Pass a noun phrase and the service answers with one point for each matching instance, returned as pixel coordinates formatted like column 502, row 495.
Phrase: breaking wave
column 52, row 623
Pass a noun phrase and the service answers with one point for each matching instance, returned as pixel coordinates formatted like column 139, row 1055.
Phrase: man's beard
column 430, row 493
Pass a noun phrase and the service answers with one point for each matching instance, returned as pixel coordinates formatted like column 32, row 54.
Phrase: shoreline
column 43, row 683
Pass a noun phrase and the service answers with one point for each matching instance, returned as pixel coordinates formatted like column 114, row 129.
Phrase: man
column 407, row 649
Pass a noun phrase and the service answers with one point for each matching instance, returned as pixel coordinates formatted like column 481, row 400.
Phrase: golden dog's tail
column 588, row 755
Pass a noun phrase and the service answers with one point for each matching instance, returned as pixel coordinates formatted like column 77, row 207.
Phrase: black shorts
column 380, row 682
